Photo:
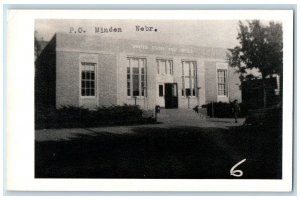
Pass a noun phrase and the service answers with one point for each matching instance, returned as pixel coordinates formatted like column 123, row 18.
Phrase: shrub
column 118, row 113
column 224, row 110
column 71, row 117
column 267, row 117
column 70, row 114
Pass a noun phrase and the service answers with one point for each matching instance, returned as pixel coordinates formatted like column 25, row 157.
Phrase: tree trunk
column 281, row 86
column 264, row 92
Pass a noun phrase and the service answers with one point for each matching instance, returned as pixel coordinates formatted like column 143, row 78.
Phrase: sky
column 208, row 33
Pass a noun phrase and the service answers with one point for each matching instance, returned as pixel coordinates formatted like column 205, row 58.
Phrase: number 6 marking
column 237, row 173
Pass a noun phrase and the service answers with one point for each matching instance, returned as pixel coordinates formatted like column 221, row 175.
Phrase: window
column 164, row 66
column 161, row 90
column 189, row 78
column 222, row 82
column 88, row 79
column 136, row 76
column 174, row 92
column 143, row 76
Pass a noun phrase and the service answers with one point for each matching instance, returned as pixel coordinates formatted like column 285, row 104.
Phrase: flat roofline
column 101, row 37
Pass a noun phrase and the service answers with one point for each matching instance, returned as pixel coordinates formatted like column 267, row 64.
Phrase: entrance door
column 171, row 97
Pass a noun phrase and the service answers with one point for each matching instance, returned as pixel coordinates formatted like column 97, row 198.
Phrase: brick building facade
column 91, row 71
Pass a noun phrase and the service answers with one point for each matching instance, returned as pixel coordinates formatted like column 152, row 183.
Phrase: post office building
column 92, row 71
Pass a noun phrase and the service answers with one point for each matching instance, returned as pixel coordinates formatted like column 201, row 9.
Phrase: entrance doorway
column 171, row 96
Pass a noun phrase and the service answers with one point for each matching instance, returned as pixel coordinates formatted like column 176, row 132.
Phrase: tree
column 37, row 45
column 261, row 48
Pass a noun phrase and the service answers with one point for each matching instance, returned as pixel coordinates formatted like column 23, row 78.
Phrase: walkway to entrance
column 168, row 118
column 187, row 117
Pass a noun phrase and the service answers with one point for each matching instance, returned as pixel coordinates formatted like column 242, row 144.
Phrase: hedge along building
column 91, row 71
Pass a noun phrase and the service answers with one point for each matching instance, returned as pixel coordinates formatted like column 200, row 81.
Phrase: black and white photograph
column 150, row 100
column 158, row 99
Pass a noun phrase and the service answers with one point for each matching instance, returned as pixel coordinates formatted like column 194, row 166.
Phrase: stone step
column 181, row 116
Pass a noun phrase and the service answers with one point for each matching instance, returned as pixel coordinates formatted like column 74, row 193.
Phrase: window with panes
column 164, row 66
column 189, row 78
column 88, row 79
column 136, row 77
column 222, row 82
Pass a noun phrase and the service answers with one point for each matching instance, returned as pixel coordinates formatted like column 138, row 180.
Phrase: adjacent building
column 91, row 71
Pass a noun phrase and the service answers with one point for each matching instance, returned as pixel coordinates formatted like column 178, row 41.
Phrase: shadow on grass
column 179, row 152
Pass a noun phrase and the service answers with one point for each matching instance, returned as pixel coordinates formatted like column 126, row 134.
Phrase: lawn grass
column 178, row 152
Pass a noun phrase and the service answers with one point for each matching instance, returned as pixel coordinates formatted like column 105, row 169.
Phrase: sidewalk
column 187, row 117
column 167, row 118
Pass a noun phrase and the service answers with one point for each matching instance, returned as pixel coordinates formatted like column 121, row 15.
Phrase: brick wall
column 234, row 91
column 107, row 79
column 210, row 81
column 67, row 78
column 111, row 80
column 234, row 86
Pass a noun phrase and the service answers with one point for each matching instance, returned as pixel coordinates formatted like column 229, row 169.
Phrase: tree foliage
column 37, row 45
column 260, row 47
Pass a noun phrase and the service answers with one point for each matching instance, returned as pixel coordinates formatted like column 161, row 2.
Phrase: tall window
column 189, row 78
column 88, row 79
column 164, row 66
column 222, row 82
column 136, row 76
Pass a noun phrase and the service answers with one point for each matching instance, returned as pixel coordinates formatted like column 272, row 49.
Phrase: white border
column 20, row 106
